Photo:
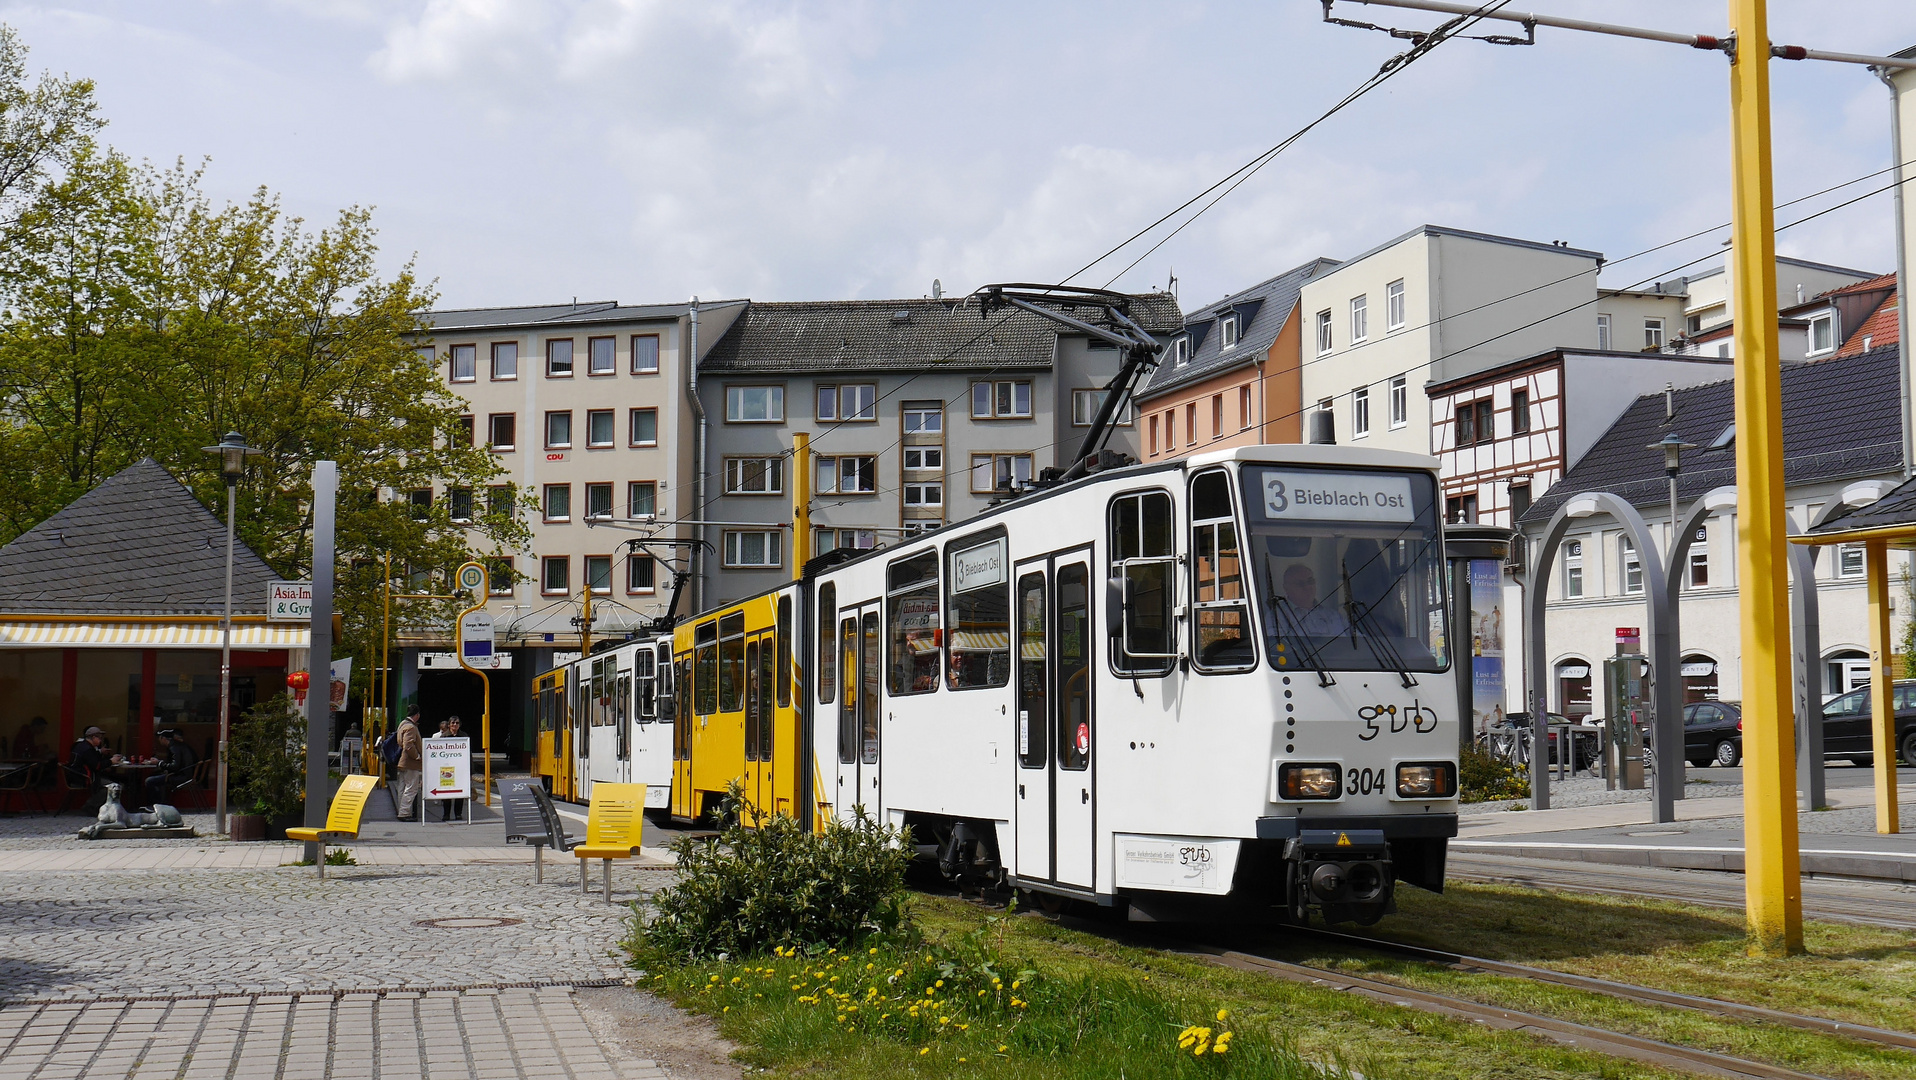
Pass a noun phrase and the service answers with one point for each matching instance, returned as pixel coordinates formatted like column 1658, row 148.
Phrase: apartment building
column 920, row 413
column 1232, row 375
column 582, row 404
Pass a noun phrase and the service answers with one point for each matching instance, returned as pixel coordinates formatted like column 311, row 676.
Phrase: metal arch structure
column 1661, row 630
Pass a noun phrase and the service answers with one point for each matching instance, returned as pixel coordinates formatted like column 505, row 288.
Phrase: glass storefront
column 107, row 695
column 29, row 688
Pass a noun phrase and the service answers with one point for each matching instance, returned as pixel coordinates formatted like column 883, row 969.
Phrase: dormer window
column 1822, row 333
column 1181, row 351
column 1227, row 327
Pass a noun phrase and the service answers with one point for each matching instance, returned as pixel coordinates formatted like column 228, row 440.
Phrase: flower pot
column 248, row 827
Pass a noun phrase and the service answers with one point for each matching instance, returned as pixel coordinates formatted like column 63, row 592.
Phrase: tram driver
column 1300, row 613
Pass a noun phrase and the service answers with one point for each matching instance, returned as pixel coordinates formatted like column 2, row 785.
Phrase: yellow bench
column 342, row 819
column 613, row 827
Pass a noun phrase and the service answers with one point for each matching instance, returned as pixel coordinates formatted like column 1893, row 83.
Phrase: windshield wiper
column 1306, row 654
column 1381, row 650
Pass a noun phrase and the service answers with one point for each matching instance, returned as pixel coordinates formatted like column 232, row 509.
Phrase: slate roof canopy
column 1896, row 507
column 1840, row 420
column 1262, row 311
column 139, row 544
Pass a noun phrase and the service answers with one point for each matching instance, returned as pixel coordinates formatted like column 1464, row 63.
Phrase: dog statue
column 113, row 817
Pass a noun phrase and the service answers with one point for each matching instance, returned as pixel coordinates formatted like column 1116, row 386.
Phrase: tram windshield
column 1349, row 568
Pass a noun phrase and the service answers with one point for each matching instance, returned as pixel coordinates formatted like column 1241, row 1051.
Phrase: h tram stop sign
column 475, row 636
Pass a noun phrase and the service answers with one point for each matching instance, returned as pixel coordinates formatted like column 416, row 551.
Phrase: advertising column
column 1486, row 643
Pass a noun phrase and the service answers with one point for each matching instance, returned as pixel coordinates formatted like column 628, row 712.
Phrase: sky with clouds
column 530, row 151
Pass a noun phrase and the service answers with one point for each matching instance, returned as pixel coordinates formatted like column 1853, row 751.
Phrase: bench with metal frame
column 552, row 833
column 342, row 818
column 614, row 825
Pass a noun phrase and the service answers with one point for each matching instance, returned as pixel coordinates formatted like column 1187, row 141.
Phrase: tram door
column 858, row 711
column 761, row 720
column 1056, row 798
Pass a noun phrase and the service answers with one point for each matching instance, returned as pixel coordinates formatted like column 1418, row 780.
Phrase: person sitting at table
column 26, row 745
column 90, row 759
column 175, row 769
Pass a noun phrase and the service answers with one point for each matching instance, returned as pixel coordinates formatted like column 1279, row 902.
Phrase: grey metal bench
column 550, row 832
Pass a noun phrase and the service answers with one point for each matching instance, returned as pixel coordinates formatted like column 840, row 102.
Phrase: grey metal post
column 319, row 695
column 226, row 658
column 1806, row 638
column 1902, row 270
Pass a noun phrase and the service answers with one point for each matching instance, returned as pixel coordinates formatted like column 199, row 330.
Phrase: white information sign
column 289, row 601
column 977, row 567
column 475, row 636
column 1176, row 863
column 1335, row 496
column 445, row 661
column 448, row 767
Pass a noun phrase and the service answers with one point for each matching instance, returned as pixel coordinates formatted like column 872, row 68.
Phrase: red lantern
column 298, row 681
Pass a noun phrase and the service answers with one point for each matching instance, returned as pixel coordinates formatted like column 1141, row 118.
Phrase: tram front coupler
column 1343, row 874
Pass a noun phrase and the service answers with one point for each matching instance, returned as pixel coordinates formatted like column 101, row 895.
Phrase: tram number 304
column 1364, row 782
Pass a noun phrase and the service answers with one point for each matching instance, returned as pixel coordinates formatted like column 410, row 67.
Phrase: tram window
column 912, row 609
column 827, row 648
column 1221, row 622
column 784, row 681
column 668, row 684
column 979, row 602
column 868, row 698
column 1144, row 562
column 705, row 674
column 1074, row 668
column 753, row 691
column 648, row 685
column 848, row 702
column 1033, row 722
column 767, row 719
column 731, row 673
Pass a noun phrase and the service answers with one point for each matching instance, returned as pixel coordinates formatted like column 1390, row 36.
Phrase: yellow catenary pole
column 801, row 502
column 1882, row 710
column 1772, row 872
column 479, row 591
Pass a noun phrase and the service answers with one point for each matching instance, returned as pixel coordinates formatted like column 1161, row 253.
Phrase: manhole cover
column 477, row 923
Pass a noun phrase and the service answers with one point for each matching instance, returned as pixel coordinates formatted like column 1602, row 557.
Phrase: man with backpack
column 407, row 756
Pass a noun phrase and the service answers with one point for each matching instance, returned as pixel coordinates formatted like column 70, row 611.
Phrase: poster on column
column 448, row 767
column 1486, row 643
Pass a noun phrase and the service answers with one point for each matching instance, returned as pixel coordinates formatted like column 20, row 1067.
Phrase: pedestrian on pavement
column 174, row 770
column 411, row 760
column 451, row 809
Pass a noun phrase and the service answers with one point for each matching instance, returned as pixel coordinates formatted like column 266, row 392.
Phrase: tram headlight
column 1426, row 780
column 1296, row 780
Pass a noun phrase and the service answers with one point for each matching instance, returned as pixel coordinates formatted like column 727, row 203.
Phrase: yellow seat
column 342, row 818
column 614, row 826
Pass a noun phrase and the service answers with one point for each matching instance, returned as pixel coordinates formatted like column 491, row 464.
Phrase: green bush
column 750, row 890
column 268, row 759
column 1483, row 776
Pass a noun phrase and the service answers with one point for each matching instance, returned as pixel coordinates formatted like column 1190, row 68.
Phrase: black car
column 1713, row 733
column 1846, row 722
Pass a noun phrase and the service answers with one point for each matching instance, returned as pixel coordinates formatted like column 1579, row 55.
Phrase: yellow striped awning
column 980, row 641
column 153, row 634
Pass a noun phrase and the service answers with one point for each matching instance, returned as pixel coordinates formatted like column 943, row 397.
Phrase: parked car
column 1713, row 733
column 1846, row 720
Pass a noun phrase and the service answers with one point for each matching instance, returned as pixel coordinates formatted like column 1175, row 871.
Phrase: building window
column 1399, row 401
column 924, row 494
column 558, row 430
column 1700, row 558
column 1000, row 400
column 1190, row 424
column 1227, row 331
column 467, row 429
column 848, row 475
column 922, row 418
column 755, row 476
column 1822, row 334
column 1519, row 501
column 1849, row 561
column 559, row 359
column 754, row 548
column 924, row 457
column 1360, row 412
column 643, row 427
column 645, row 355
column 598, row 574
column 754, row 404
column 555, row 574
column 999, row 472
column 1653, row 333
column 1394, row 305
column 558, row 502
column 505, row 360
column 1181, row 350
column 1603, row 332
column 600, row 427
column 641, row 498
column 1519, row 412
column 420, row 503
column 641, row 574
column 1154, row 434
column 502, row 430
column 598, row 500
column 1217, row 416
column 857, row 401
column 459, row 503
column 599, row 360
column 1460, row 510
column 426, row 353
column 1323, row 332
column 1572, row 569
column 824, row 540
column 1086, row 403
column 499, row 575
column 465, row 363
column 1360, row 318
column 1243, row 408
column 502, row 501
column 1632, row 568
column 1476, row 422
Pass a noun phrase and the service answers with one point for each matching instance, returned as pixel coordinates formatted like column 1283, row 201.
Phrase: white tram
column 1218, row 686
column 601, row 721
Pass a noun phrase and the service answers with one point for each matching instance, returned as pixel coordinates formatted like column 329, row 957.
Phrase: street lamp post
column 1673, row 448
column 233, row 452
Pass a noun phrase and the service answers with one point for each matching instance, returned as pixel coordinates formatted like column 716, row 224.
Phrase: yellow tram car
column 555, row 755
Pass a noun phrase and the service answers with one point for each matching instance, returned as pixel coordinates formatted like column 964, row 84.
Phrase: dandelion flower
column 874, row 952
column 944, row 1020
column 1222, row 1014
column 1002, row 1048
column 715, row 978
column 940, row 984
column 929, row 992
column 1014, row 984
column 923, row 1050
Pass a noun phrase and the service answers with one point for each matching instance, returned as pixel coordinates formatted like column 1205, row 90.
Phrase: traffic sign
column 471, row 578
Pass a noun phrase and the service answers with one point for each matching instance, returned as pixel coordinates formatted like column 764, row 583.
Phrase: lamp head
column 233, row 452
column 1673, row 448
